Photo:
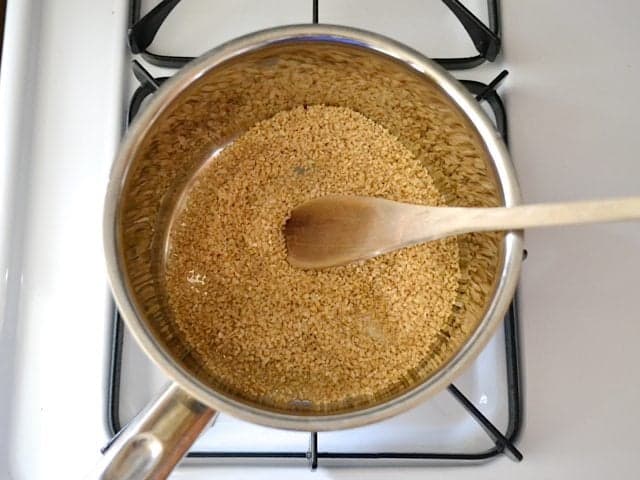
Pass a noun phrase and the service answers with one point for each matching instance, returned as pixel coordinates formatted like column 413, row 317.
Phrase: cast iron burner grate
column 487, row 41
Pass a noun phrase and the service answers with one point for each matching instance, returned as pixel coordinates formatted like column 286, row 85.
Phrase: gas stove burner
column 469, row 430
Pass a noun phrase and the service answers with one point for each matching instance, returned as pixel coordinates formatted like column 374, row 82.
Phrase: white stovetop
column 572, row 99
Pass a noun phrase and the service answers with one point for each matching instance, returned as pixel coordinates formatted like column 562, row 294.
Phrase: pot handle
column 153, row 442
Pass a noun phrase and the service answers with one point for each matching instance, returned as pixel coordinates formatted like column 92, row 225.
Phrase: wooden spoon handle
column 466, row 220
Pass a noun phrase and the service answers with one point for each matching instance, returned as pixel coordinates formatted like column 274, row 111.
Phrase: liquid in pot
column 286, row 337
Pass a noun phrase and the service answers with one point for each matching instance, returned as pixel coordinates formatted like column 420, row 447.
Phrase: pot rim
column 496, row 149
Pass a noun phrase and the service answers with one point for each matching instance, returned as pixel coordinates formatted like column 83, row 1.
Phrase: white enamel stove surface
column 572, row 101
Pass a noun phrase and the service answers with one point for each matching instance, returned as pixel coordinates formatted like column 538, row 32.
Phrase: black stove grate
column 504, row 443
column 486, row 39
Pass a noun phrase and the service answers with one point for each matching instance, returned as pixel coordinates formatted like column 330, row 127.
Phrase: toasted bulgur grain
column 280, row 334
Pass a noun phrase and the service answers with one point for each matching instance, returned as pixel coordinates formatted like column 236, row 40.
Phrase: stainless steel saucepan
column 206, row 105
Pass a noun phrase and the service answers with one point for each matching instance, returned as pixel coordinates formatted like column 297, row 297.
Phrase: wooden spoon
column 340, row 229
